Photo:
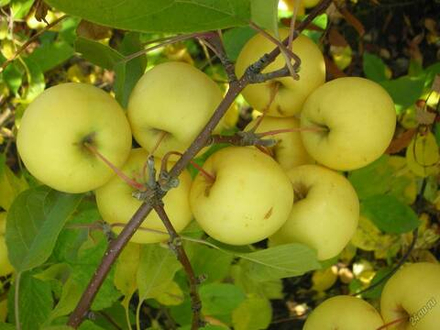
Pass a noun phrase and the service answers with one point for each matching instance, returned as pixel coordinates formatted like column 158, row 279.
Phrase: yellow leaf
column 10, row 187
column 171, row 295
column 399, row 164
column 423, row 155
column 324, row 279
column 342, row 56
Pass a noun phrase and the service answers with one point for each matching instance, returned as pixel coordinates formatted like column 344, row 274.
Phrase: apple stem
column 118, row 172
column 291, row 130
column 273, row 92
column 385, row 326
column 207, row 175
column 162, row 135
column 265, row 150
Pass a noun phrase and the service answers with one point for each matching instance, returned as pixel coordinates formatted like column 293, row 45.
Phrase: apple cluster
column 409, row 300
column 73, row 136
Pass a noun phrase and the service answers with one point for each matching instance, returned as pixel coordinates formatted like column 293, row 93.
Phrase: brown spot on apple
column 268, row 213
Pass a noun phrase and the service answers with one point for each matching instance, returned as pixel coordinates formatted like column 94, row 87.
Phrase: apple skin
column 289, row 150
column 415, row 291
column 174, row 97
column 360, row 118
column 54, row 128
column 291, row 94
column 5, row 266
column 249, row 200
column 117, row 205
column 326, row 218
column 344, row 313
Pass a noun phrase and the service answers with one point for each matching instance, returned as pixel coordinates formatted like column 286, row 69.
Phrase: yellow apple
column 291, row 93
column 325, row 212
column 289, row 150
column 117, row 205
column 344, row 313
column 5, row 266
column 55, row 127
column 413, row 293
column 354, row 120
column 249, row 199
column 174, row 99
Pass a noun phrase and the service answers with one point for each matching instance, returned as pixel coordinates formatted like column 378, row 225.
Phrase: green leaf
column 254, row 313
column 35, row 301
column 10, row 184
column 13, row 77
column 35, row 220
column 156, row 270
column 160, row 16
column 7, row 326
column 405, row 91
column 220, row 298
column 50, row 54
column 280, row 261
column 374, row 67
column 272, row 289
column 389, row 214
column 98, row 53
column 4, row 3
column 19, row 8
column 264, row 13
column 36, row 81
column 128, row 73
column 89, row 325
column 234, row 40
column 209, row 262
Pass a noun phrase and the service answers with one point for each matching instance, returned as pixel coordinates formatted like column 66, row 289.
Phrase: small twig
column 28, row 42
column 168, row 41
column 400, row 320
column 289, row 55
column 273, row 93
column 176, row 245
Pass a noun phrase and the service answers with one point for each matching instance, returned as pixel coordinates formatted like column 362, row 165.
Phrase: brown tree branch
column 176, row 245
column 116, row 246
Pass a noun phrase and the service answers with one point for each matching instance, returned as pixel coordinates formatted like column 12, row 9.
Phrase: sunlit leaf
column 280, row 261
column 172, row 294
column 160, row 16
column 405, row 91
column 252, row 314
column 264, row 13
column 220, row 298
column 423, row 155
column 10, row 184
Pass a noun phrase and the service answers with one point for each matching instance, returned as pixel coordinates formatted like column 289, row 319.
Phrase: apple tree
column 240, row 164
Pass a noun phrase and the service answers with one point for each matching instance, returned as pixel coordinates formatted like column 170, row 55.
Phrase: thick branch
column 177, row 247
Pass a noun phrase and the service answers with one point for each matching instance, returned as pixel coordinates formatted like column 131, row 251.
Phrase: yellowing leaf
column 324, row 279
column 369, row 238
column 10, row 187
column 342, row 56
column 423, row 155
column 171, row 295
column 252, row 314
column 407, row 178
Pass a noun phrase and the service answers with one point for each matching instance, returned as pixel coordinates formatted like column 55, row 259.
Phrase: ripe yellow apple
column 291, row 93
column 5, row 266
column 117, row 205
column 413, row 292
column 325, row 212
column 344, row 313
column 55, row 127
column 249, row 199
column 289, row 150
column 173, row 98
column 357, row 119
